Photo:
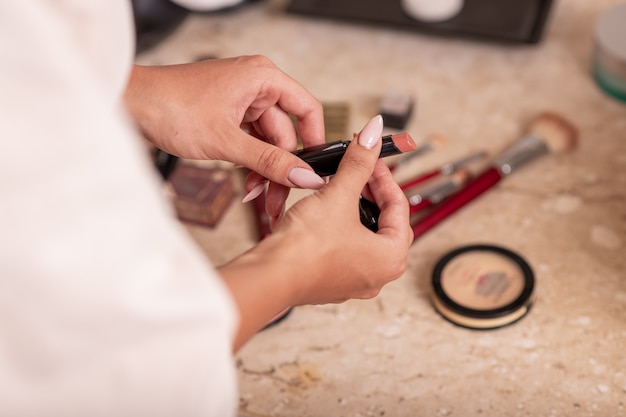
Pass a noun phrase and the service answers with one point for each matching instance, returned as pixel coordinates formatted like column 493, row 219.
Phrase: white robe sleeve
column 107, row 308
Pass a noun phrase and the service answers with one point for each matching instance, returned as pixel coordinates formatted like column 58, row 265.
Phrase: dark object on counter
column 396, row 108
column 164, row 162
column 155, row 20
column 515, row 21
column 278, row 319
column 201, row 195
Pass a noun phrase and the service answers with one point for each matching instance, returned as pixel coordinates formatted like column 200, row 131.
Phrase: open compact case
column 482, row 287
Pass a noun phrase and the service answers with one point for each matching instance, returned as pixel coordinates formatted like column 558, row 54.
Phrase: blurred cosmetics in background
column 609, row 56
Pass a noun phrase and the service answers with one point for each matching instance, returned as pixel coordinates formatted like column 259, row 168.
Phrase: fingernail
column 370, row 135
column 254, row 193
column 305, row 178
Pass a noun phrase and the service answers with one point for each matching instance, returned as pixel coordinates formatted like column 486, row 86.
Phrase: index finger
column 296, row 100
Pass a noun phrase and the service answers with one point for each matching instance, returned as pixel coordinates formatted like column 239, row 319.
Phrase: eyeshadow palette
column 200, row 195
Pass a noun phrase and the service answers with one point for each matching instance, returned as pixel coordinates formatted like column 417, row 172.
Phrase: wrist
column 138, row 98
column 263, row 282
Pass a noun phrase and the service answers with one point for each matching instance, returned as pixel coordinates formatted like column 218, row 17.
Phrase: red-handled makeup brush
column 548, row 132
column 445, row 169
column 437, row 192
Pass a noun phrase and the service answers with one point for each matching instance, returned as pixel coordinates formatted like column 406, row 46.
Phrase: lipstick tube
column 325, row 158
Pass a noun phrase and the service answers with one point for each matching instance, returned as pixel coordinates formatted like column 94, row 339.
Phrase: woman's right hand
column 320, row 252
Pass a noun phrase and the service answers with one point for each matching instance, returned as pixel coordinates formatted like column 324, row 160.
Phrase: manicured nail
column 370, row 135
column 305, row 178
column 254, row 193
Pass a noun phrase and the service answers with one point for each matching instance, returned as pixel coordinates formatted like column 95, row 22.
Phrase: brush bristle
column 460, row 177
column 556, row 131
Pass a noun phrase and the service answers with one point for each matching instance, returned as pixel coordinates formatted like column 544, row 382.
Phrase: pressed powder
column 482, row 286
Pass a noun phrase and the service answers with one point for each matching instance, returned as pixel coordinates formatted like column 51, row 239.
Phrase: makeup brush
column 438, row 192
column 432, row 142
column 548, row 133
column 445, row 169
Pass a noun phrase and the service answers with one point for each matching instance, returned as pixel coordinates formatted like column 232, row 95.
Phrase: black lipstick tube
column 325, row 158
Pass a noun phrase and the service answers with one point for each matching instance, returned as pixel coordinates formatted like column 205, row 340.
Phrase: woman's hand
column 320, row 252
column 343, row 258
column 198, row 110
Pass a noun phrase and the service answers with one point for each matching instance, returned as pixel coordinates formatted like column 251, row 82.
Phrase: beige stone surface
column 566, row 214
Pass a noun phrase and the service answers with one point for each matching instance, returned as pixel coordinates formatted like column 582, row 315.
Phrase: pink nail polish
column 371, row 133
column 254, row 193
column 304, row 178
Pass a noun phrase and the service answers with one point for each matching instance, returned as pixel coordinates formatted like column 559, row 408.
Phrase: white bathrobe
column 107, row 308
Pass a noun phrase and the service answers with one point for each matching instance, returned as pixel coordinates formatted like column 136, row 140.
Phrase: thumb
column 360, row 158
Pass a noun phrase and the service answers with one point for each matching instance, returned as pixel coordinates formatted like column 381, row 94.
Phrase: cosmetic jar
column 609, row 55
column 482, row 287
column 432, row 11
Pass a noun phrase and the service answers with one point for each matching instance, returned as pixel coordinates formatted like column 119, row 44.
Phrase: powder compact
column 482, row 287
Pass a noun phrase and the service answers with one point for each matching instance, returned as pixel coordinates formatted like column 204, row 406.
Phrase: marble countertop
column 566, row 214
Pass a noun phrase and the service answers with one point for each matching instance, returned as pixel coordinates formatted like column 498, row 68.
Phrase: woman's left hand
column 235, row 109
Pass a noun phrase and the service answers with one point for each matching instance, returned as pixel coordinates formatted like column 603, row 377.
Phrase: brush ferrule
column 436, row 193
column 520, row 153
column 445, row 192
column 452, row 167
